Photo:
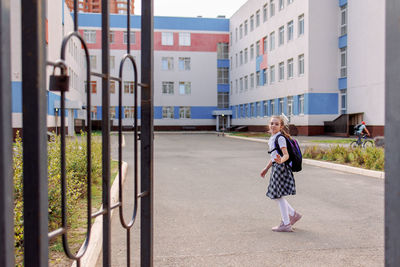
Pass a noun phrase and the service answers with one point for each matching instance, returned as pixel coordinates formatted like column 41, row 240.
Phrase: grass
column 334, row 141
column 78, row 222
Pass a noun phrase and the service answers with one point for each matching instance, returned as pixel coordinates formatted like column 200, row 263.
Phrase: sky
column 193, row 8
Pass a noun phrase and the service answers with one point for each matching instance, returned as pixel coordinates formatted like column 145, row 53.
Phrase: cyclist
column 359, row 132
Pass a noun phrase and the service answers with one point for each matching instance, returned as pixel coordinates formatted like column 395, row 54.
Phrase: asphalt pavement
column 211, row 210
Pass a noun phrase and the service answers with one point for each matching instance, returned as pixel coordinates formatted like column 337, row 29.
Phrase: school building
column 309, row 59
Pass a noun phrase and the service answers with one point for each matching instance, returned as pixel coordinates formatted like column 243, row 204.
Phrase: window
column 265, row 13
column 343, row 101
column 252, row 23
column 257, row 48
column 167, row 63
column 252, row 110
column 246, row 113
column 223, row 100
column 241, row 57
column 258, row 109
column 258, row 78
column 129, row 87
column 236, row 34
column 132, row 36
column 236, row 86
column 237, row 112
column 231, row 88
column 343, row 20
column 272, row 74
column 168, row 88
column 258, row 18
column 265, row 45
column 184, row 39
column 237, row 62
column 301, row 25
column 167, row 38
column 281, row 35
column 265, row 108
column 265, row 77
column 184, row 63
column 301, row 64
column 290, row 68
column 246, row 82
column 112, row 62
column 112, row 87
column 252, row 80
column 281, row 4
column 93, row 62
column 271, row 41
column 280, row 107
column 343, row 62
column 168, row 112
column 301, row 104
column 93, row 113
column 251, row 52
column 241, row 31
column 89, row 36
column 290, row 31
column 241, row 84
column 222, row 51
column 290, row 105
column 245, row 27
column 111, row 37
column 289, row 1
column 231, row 63
column 281, row 71
column 112, row 112
column 223, row 76
column 246, row 55
column 185, row 88
column 272, row 108
column 271, row 8
column 129, row 112
column 184, row 113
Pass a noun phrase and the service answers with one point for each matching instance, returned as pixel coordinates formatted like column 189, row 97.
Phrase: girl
column 281, row 182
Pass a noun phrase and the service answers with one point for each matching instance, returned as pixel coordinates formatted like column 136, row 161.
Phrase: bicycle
column 363, row 143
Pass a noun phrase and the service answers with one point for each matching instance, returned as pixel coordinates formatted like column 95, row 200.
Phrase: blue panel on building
column 170, row 23
column 342, row 2
column 223, row 88
column 259, row 59
column 51, row 98
column 16, row 97
column 343, row 41
column 176, row 112
column 296, row 105
column 342, row 83
column 99, row 112
column 223, row 63
column 276, row 107
column 285, row 101
column 157, row 113
column 321, row 103
column 202, row 112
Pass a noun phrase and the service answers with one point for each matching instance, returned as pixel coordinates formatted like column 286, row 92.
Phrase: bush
column 75, row 179
column 369, row 158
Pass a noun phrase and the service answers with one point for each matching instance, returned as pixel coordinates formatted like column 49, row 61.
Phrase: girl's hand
column 278, row 159
column 263, row 173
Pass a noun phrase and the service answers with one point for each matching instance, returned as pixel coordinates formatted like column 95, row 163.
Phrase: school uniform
column 281, row 181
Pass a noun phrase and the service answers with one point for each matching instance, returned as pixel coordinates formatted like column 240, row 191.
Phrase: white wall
column 366, row 60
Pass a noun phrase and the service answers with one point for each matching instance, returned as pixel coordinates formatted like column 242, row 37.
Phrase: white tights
column 286, row 210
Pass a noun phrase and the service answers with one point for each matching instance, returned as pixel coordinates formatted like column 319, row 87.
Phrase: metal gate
column 36, row 235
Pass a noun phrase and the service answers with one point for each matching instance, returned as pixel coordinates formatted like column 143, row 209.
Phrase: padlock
column 59, row 83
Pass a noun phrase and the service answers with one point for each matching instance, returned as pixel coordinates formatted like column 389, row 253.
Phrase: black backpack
column 357, row 128
column 294, row 152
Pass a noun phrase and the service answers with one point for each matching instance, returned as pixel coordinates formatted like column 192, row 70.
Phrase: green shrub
column 369, row 158
column 75, row 179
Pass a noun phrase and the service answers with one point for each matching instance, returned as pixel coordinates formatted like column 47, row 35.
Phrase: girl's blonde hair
column 285, row 123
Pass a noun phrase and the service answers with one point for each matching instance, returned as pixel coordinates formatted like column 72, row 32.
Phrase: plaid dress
column 281, row 182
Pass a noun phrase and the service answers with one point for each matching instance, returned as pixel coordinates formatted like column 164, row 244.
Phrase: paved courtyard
column 211, row 210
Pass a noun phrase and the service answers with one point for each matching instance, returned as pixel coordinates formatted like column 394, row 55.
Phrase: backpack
column 294, row 152
column 357, row 128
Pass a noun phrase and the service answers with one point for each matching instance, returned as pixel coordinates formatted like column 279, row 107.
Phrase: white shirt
column 271, row 144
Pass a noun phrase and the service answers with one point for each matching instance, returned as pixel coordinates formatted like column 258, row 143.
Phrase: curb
column 89, row 259
column 328, row 165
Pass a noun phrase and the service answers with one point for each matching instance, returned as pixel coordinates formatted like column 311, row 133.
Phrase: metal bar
column 56, row 233
column 143, row 194
column 128, row 45
column 116, row 205
column 104, row 76
column 392, row 129
column 75, row 15
column 147, row 148
column 105, row 26
column 98, row 213
column 34, row 101
column 6, row 171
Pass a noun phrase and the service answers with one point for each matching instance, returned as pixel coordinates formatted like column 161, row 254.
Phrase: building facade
column 191, row 68
column 94, row 6
column 297, row 57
